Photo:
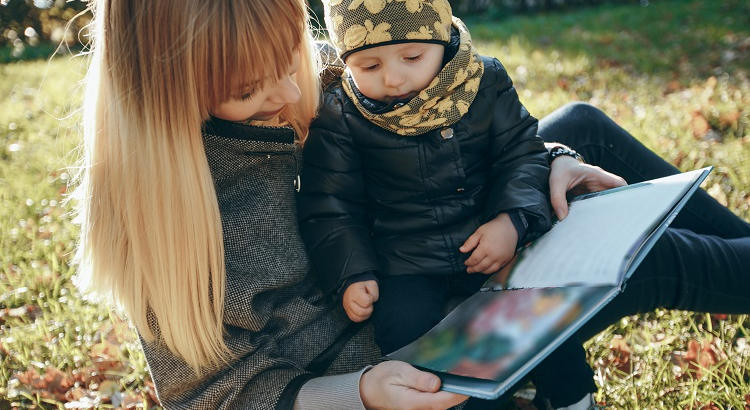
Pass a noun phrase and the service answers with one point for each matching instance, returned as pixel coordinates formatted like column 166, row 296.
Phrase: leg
column 409, row 306
column 604, row 143
column 684, row 271
column 565, row 376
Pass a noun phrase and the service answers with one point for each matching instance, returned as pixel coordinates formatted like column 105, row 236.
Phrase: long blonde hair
column 151, row 237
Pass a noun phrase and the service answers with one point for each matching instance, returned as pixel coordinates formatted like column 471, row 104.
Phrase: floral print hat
column 355, row 25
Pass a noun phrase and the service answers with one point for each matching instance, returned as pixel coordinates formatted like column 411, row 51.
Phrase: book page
column 601, row 233
column 494, row 335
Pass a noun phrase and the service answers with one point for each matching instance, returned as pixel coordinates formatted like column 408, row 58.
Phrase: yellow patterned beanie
column 359, row 24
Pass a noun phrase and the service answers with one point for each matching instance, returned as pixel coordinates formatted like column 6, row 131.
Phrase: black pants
column 410, row 305
column 702, row 263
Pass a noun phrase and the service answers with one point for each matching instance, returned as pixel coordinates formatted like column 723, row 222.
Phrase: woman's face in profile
column 263, row 100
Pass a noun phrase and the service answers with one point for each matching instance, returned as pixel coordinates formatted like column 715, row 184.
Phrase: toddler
column 423, row 170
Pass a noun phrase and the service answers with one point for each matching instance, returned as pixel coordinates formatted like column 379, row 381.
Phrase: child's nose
column 393, row 78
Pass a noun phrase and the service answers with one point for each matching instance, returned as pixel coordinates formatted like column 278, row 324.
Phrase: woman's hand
column 569, row 175
column 398, row 385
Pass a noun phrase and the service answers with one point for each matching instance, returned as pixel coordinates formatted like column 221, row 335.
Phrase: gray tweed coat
column 280, row 327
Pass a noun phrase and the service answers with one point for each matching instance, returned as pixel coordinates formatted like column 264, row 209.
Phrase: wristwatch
column 563, row 150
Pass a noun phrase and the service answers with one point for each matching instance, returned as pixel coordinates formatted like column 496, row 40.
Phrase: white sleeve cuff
column 331, row 392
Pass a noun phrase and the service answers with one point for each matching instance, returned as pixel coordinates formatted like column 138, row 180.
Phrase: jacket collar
column 237, row 130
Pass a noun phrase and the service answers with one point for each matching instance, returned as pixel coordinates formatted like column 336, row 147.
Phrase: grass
column 674, row 73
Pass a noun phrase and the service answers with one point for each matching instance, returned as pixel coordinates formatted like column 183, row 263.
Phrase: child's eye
column 246, row 96
column 414, row 58
column 370, row 67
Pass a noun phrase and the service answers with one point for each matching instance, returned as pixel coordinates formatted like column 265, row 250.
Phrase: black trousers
column 702, row 263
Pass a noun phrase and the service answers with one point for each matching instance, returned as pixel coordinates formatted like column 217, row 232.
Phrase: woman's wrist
column 562, row 150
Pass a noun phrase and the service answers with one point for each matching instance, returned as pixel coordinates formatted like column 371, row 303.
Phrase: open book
column 493, row 339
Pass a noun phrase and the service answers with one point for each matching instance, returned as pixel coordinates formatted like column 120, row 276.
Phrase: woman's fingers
column 598, row 179
column 563, row 173
column 398, row 385
column 568, row 175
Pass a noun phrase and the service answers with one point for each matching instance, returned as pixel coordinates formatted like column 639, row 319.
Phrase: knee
column 581, row 110
column 573, row 123
column 579, row 124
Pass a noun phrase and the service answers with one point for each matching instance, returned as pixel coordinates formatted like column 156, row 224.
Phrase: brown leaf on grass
column 27, row 311
column 699, row 124
column 151, row 389
column 747, row 401
column 619, row 354
column 86, row 376
column 719, row 316
column 106, row 357
column 672, row 86
column 729, row 119
column 53, row 384
column 681, row 155
column 698, row 358
column 609, row 63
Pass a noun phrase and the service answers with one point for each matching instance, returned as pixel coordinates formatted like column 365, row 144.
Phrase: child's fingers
column 483, row 265
column 372, row 290
column 471, row 242
column 351, row 313
column 362, row 299
column 359, row 314
column 476, row 256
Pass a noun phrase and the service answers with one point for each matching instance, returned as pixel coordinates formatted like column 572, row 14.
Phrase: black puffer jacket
column 372, row 200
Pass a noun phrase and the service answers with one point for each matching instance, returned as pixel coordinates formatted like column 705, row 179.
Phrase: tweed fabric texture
column 276, row 320
column 357, row 24
column 445, row 100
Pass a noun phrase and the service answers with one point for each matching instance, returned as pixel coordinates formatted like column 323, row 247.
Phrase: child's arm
column 519, row 168
column 332, row 202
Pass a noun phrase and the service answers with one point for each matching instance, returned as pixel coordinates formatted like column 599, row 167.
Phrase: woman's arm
column 389, row 385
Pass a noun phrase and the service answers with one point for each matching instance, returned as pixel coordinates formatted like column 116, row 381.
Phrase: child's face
column 263, row 101
column 395, row 71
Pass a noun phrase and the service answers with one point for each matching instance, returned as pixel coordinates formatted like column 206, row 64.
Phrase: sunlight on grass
column 674, row 73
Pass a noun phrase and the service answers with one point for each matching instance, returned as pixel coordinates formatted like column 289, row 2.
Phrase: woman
column 189, row 225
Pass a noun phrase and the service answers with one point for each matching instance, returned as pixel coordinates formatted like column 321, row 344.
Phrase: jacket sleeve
column 332, row 202
column 261, row 380
column 258, row 380
column 519, row 168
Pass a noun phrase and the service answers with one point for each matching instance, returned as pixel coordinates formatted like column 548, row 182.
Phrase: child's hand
column 358, row 299
column 493, row 245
